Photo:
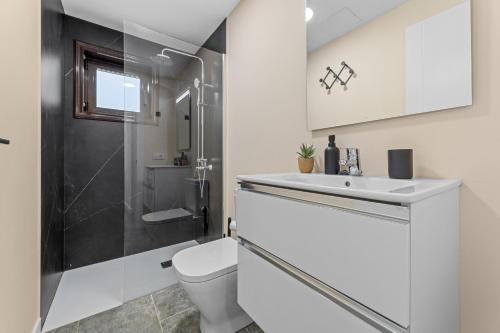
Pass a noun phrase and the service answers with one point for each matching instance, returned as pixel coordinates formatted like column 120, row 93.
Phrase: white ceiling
column 335, row 18
column 191, row 21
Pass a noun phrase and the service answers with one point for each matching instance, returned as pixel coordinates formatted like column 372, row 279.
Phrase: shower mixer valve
column 202, row 164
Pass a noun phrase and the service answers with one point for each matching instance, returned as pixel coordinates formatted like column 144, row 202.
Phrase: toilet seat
column 206, row 261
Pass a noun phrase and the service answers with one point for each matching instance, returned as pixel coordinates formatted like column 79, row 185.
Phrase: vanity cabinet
column 315, row 262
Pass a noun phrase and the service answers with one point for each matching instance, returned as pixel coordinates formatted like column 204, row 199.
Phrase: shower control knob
column 208, row 167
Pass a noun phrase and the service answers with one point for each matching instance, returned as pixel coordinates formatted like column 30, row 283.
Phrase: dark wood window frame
column 88, row 59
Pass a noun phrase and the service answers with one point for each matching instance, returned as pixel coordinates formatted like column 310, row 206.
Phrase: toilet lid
column 207, row 261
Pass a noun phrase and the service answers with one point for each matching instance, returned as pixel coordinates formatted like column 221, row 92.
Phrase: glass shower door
column 170, row 202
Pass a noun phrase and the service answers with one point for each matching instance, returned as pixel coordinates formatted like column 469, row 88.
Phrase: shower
column 201, row 161
column 162, row 59
column 135, row 181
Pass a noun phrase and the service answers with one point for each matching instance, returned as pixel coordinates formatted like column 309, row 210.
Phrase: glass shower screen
column 169, row 205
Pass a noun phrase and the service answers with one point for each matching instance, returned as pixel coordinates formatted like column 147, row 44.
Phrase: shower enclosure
column 143, row 130
column 173, row 154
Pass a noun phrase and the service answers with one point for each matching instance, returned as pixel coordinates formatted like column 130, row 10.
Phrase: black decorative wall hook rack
column 345, row 72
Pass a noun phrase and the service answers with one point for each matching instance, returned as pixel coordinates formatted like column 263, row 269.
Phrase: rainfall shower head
column 162, row 59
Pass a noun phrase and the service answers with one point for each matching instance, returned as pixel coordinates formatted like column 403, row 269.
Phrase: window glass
column 117, row 91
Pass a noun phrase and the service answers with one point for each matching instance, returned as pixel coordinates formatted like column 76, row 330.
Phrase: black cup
column 400, row 163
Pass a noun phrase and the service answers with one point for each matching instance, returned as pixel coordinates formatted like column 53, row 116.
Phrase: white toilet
column 207, row 273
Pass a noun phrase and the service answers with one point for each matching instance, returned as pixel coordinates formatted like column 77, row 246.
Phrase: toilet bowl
column 207, row 273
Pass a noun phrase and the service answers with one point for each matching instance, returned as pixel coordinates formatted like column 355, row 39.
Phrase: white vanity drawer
column 279, row 302
column 362, row 256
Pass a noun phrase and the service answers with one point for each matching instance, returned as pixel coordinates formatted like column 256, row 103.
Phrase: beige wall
column 461, row 144
column 266, row 68
column 376, row 52
column 266, row 110
column 20, row 165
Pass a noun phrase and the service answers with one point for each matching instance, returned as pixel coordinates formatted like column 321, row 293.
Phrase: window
column 105, row 91
column 117, row 91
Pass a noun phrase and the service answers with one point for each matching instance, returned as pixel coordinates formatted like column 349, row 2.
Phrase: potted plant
column 306, row 158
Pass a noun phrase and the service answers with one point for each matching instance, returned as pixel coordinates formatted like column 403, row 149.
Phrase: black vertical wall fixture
column 52, row 173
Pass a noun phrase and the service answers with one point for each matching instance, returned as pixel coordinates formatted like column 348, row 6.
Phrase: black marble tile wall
column 217, row 41
column 52, row 195
column 93, row 165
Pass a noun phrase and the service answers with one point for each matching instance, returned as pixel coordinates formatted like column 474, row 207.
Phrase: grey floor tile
column 187, row 321
column 133, row 317
column 171, row 300
column 71, row 328
column 171, row 307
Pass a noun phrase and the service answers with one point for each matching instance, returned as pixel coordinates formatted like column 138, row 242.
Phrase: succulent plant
column 306, row 152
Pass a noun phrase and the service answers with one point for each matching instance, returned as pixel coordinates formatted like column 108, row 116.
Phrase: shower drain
column 166, row 264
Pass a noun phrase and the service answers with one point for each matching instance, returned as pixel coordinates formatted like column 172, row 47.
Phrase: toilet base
column 215, row 291
column 231, row 326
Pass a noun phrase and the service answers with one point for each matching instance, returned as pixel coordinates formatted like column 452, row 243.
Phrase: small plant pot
column 306, row 165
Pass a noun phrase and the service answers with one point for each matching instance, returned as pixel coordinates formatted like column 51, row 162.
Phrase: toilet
column 207, row 273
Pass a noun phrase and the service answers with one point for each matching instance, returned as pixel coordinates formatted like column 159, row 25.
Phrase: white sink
column 363, row 183
column 374, row 188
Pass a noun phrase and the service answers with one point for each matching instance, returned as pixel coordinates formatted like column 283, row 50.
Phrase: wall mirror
column 183, row 121
column 379, row 59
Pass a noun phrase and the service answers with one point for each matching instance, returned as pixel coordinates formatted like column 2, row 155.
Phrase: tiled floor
column 166, row 311
column 89, row 290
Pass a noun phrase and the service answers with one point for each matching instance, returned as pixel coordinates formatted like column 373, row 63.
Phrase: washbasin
column 364, row 183
column 373, row 188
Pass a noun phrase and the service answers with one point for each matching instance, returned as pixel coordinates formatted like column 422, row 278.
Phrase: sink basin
column 373, row 188
column 362, row 183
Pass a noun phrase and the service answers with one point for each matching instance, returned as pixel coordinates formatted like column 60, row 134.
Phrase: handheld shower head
column 197, row 82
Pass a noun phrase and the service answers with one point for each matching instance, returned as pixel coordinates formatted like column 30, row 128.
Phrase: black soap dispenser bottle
column 332, row 157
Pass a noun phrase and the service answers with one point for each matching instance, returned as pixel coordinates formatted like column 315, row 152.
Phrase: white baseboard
column 38, row 326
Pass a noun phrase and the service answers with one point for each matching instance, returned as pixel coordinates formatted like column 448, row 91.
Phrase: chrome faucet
column 349, row 162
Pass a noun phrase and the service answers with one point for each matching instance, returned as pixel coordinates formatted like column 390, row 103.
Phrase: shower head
column 162, row 59
column 196, row 82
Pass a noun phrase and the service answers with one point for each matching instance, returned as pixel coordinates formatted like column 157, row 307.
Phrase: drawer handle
column 4, row 141
column 385, row 210
column 362, row 312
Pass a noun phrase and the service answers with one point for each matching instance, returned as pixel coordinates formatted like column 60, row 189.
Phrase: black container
column 400, row 163
column 332, row 157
